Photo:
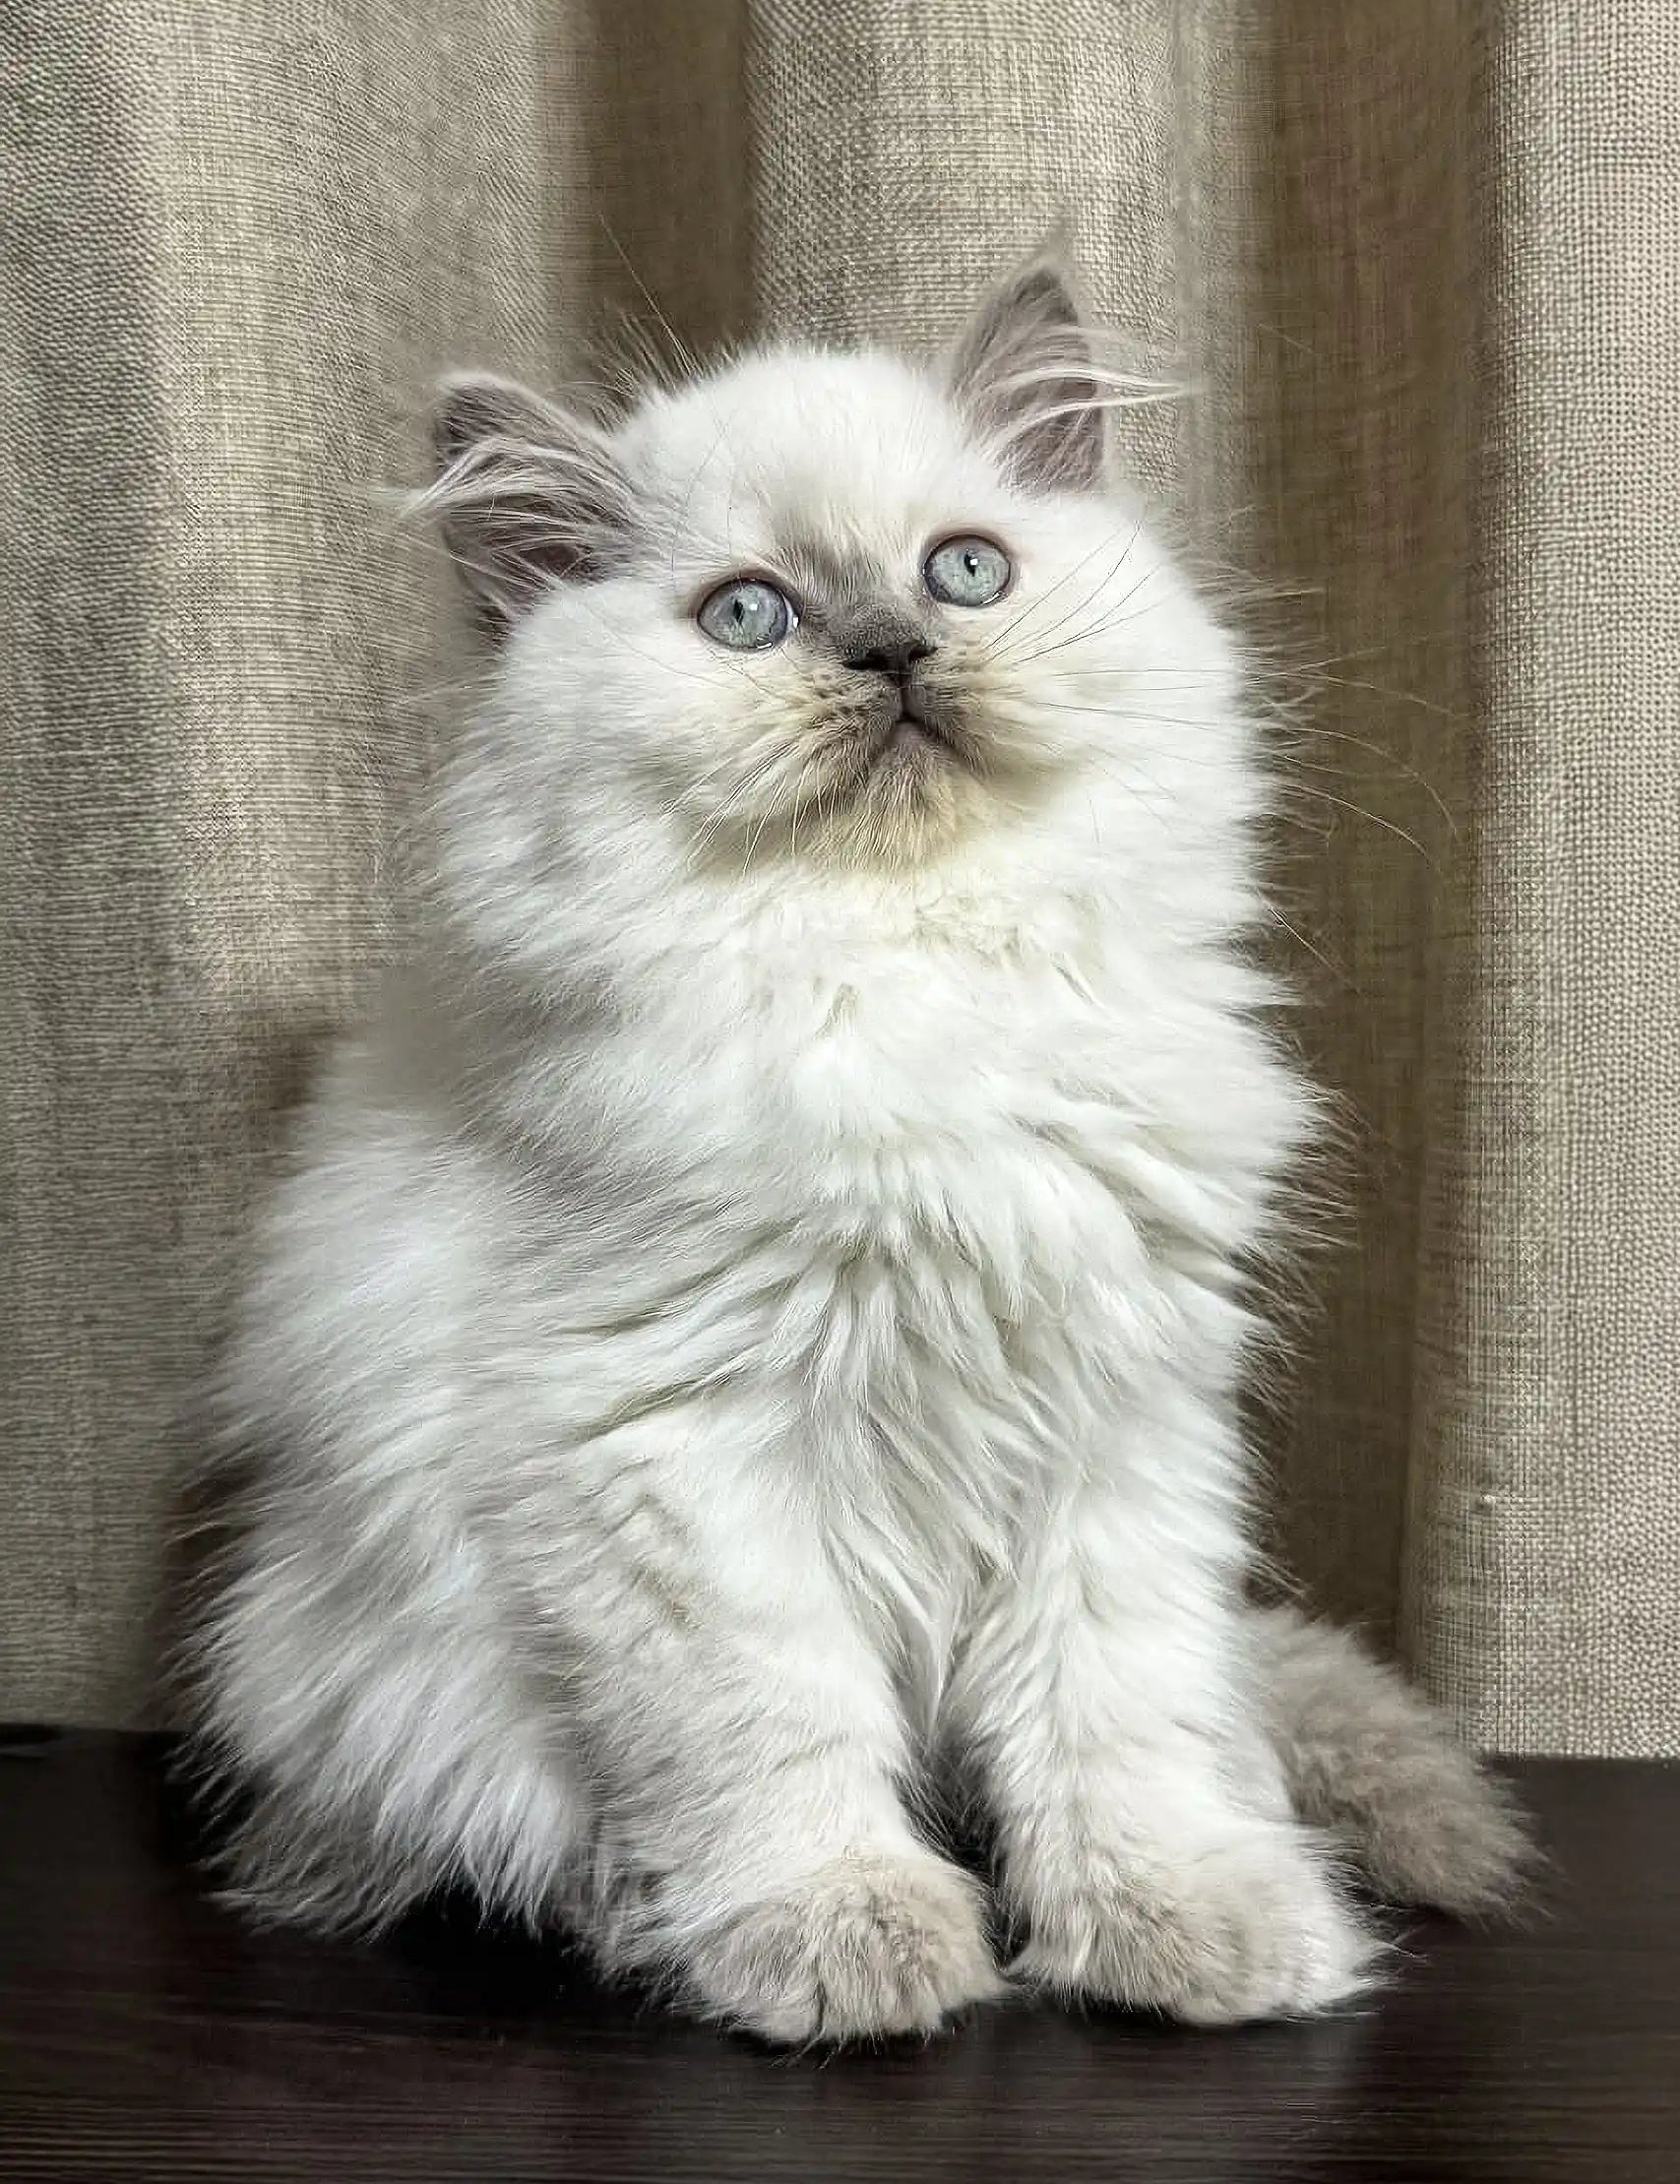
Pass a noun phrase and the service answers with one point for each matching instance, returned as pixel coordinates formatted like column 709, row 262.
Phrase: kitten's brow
column 679, row 522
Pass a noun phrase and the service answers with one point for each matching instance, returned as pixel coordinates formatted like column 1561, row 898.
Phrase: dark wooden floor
column 144, row 2035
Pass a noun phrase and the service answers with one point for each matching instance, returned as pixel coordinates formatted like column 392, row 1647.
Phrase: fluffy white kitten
column 743, row 1362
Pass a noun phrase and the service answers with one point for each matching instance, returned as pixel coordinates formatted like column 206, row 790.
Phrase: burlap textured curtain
column 1423, row 260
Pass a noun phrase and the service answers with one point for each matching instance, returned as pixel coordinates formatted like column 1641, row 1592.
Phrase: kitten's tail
column 1370, row 1759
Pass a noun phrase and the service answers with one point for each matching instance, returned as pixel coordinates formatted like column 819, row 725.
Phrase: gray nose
column 895, row 655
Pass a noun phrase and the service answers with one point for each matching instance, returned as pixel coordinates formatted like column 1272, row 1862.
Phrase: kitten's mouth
column 911, row 734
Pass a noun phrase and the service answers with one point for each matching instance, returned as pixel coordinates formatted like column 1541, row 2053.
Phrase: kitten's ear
column 524, row 493
column 1023, row 372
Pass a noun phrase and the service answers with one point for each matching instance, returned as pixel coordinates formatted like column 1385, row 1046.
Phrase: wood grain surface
column 146, row 2033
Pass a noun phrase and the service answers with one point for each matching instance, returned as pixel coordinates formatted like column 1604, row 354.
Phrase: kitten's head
column 827, row 607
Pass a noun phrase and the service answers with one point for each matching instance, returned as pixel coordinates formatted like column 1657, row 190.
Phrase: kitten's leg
column 353, row 1703
column 744, row 1751
column 1094, row 1706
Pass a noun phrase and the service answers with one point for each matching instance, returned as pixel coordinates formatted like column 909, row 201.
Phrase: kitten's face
column 823, row 607
column 817, row 637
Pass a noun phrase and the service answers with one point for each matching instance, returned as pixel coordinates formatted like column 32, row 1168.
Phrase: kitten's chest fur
column 1007, row 1203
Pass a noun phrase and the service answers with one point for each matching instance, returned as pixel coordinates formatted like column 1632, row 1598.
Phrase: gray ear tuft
column 526, row 494
column 1023, row 370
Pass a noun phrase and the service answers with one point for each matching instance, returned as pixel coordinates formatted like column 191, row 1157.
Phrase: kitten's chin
column 920, row 795
column 933, row 781
column 893, row 793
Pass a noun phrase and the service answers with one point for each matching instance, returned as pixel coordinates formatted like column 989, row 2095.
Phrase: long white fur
column 746, row 1347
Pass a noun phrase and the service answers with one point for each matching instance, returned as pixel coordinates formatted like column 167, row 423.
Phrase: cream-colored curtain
column 1422, row 261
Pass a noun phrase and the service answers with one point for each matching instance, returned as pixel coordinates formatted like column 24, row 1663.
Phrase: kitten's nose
column 895, row 655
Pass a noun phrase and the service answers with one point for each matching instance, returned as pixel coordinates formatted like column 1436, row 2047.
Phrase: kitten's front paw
column 871, row 1945
column 1251, row 1927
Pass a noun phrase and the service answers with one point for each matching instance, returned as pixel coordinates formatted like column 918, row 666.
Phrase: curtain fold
column 1421, row 264
column 1543, row 1536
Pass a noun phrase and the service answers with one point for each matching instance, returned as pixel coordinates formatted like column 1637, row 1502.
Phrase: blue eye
column 967, row 572
column 747, row 614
